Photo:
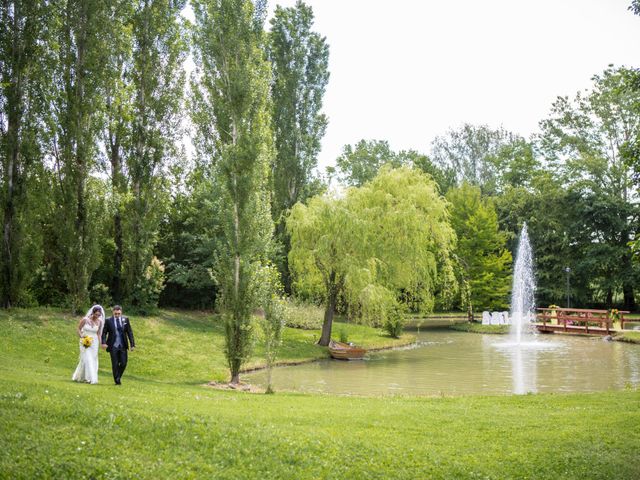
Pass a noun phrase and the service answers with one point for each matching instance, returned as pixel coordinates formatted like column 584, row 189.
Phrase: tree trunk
column 8, row 224
column 7, row 251
column 627, row 282
column 137, row 244
column 332, row 299
column 629, row 297
column 78, row 142
column 117, row 258
column 283, row 235
column 116, row 189
column 11, row 173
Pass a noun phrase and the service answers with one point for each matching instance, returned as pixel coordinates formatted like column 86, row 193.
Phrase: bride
column 90, row 326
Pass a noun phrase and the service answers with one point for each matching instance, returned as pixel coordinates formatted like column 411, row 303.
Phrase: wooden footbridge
column 579, row 320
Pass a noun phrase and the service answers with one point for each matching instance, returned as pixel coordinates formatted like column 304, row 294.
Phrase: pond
column 447, row 362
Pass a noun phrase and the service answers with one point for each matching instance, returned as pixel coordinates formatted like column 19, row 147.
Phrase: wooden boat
column 344, row 351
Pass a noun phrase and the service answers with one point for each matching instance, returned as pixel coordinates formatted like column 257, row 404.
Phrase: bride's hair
column 96, row 313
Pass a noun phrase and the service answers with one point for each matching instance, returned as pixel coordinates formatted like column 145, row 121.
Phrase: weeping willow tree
column 322, row 246
column 385, row 240
column 231, row 111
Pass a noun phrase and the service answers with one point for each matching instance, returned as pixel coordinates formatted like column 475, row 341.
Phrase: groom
column 116, row 338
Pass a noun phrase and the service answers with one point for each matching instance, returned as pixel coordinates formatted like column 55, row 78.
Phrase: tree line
column 100, row 201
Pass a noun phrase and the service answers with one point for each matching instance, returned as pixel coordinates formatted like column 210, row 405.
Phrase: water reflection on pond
column 456, row 363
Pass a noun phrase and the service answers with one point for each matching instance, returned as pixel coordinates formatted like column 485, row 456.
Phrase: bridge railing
column 579, row 317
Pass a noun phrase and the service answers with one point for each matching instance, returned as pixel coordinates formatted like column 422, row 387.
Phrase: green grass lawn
column 162, row 423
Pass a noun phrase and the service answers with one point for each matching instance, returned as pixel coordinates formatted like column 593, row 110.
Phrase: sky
column 408, row 71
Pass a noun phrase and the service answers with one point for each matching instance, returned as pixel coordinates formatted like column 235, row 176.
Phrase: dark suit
column 118, row 336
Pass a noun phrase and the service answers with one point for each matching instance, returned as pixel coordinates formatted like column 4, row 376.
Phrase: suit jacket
column 109, row 333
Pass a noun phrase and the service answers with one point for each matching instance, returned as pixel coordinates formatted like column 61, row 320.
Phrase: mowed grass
column 161, row 423
column 172, row 346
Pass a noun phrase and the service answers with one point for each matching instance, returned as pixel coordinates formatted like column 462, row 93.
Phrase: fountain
column 522, row 347
column 524, row 286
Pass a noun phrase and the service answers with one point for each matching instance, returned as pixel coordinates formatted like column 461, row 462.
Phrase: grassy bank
column 628, row 337
column 161, row 423
column 479, row 328
column 435, row 320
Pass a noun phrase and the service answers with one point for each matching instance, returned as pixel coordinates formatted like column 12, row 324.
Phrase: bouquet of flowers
column 86, row 341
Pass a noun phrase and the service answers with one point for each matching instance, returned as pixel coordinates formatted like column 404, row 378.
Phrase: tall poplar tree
column 232, row 113
column 159, row 48
column 144, row 99
column 300, row 62
column 23, row 38
column 82, row 39
column 117, row 132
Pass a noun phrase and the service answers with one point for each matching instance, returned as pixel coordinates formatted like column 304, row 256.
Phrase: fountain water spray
column 523, row 354
column 524, row 286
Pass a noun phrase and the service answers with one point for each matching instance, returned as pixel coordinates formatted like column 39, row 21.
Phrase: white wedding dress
column 87, row 369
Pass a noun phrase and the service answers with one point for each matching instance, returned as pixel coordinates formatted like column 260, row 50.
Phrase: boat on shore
column 345, row 351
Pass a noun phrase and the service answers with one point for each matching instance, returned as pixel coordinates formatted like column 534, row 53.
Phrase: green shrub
column 268, row 293
column 344, row 336
column 394, row 323
column 100, row 294
column 144, row 298
column 26, row 299
column 304, row 316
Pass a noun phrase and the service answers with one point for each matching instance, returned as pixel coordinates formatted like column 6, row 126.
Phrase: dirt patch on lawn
column 239, row 387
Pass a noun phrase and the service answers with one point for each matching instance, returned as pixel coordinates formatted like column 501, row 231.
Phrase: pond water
column 457, row 363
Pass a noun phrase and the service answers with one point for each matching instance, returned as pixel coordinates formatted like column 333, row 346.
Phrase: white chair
column 495, row 318
column 505, row 316
column 486, row 318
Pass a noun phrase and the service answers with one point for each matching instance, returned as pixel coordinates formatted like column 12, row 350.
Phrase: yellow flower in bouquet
column 86, row 341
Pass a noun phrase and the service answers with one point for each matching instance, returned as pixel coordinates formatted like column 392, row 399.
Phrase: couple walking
column 114, row 334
